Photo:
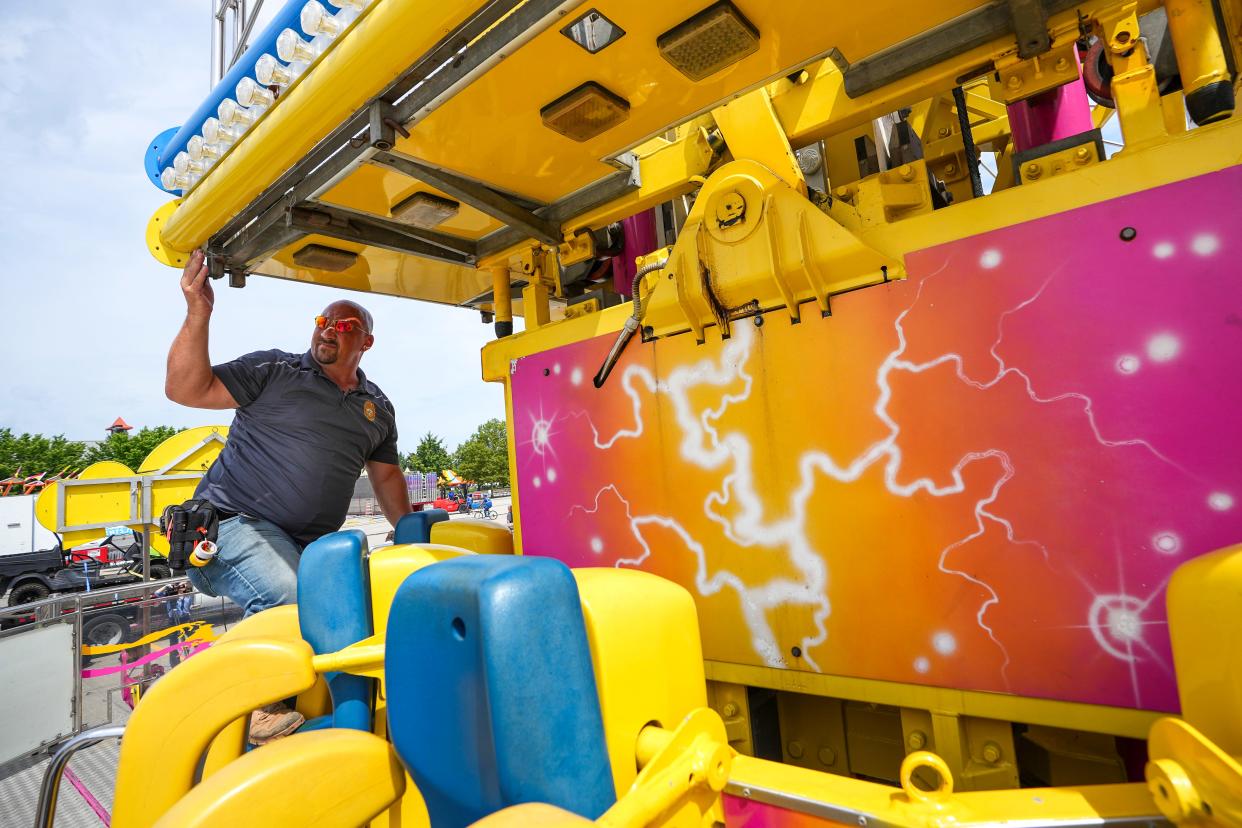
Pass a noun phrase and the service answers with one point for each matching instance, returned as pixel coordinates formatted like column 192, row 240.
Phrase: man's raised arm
column 388, row 483
column 189, row 379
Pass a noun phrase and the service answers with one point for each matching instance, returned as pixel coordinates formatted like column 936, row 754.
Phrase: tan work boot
column 273, row 722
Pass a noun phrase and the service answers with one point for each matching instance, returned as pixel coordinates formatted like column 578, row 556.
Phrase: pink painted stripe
column 190, row 647
column 95, row 804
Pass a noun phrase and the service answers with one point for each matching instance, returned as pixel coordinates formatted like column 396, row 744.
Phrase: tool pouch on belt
column 186, row 526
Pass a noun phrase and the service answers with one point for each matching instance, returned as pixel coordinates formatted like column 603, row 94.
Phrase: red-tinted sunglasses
column 341, row 325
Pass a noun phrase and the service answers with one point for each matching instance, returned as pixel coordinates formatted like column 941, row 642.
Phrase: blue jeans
column 256, row 567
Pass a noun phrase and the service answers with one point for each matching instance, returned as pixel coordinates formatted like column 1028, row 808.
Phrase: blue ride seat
column 491, row 692
column 334, row 611
column 416, row 526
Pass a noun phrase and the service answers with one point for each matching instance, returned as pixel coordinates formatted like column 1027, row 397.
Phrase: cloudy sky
column 84, row 87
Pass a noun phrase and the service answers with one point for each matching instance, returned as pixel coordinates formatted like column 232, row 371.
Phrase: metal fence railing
column 79, row 661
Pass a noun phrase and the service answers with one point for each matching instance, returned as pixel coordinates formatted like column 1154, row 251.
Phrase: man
column 305, row 426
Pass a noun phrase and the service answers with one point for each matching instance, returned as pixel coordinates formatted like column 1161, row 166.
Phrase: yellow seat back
column 486, row 537
column 644, row 636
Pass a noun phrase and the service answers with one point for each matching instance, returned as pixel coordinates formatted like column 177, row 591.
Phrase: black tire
column 105, row 629
column 160, row 570
column 28, row 592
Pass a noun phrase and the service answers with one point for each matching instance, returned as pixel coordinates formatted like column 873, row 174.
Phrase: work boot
column 273, row 722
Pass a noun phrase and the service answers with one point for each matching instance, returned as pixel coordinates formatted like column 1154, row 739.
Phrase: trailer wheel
column 28, row 592
column 105, row 629
column 160, row 571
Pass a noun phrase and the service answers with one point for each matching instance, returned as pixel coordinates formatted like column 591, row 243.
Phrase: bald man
column 305, row 426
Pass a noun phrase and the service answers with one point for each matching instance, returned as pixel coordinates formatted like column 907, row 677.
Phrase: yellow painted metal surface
column 1183, row 156
column 484, row 537
column 326, row 778
column 180, row 715
column 545, row 165
column 1095, row 718
column 163, row 254
column 378, row 270
column 643, row 633
column 374, row 189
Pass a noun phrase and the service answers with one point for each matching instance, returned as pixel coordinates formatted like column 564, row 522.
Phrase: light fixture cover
column 716, row 37
column 585, row 112
column 322, row 257
column 424, row 210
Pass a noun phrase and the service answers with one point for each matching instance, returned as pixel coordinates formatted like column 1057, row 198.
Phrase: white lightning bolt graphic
column 704, row 447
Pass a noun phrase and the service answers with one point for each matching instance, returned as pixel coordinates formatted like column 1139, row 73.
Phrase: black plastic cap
column 1211, row 103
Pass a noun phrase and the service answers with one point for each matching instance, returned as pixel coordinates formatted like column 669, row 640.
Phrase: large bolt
column 1014, row 82
column 1082, row 156
column 944, row 132
column 950, row 169
column 827, row 757
column 729, row 710
column 991, row 753
column 1061, row 65
column 795, row 749
column 1032, row 171
column 906, row 172
column 916, row 740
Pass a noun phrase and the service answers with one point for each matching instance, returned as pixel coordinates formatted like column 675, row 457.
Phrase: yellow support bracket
column 752, row 130
column 1192, row 780
column 751, row 243
column 682, row 777
column 1134, row 79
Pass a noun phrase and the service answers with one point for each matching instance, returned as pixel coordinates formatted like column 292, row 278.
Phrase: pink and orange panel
column 980, row 477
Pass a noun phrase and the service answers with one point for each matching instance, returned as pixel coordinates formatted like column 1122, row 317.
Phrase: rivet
column 1061, row 65
column 906, row 172
column 916, row 740
column 795, row 749
column 827, row 756
column 950, row 169
column 729, row 710
column 1014, row 82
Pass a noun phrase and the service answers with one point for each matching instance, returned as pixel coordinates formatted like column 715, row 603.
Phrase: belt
column 224, row 515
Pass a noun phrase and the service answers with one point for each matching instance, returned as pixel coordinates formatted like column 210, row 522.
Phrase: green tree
column 35, row 454
column 484, row 456
column 430, row 456
column 130, row 449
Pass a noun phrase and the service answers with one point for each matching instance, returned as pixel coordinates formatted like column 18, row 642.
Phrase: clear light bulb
column 250, row 94
column 235, row 115
column 272, row 72
column 221, row 135
column 201, row 150
column 173, row 180
column 183, row 163
column 317, row 20
column 293, row 49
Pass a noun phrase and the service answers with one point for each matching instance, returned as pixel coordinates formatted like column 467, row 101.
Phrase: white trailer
column 19, row 531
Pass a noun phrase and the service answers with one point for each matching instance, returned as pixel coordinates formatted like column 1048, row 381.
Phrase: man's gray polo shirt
column 297, row 443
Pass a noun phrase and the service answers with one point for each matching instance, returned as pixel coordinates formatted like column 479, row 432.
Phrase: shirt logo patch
column 368, row 410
